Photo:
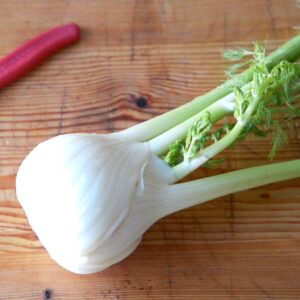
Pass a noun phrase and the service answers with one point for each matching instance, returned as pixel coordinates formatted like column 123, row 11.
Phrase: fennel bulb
column 90, row 197
column 81, row 169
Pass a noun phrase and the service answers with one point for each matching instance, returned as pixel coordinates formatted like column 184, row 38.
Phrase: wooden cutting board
column 137, row 59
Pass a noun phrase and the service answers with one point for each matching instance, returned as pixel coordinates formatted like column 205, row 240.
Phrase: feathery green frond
column 257, row 106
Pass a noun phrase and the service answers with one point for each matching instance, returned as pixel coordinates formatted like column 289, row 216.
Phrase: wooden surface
column 243, row 246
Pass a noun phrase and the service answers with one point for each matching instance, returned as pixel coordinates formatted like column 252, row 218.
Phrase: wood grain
column 243, row 246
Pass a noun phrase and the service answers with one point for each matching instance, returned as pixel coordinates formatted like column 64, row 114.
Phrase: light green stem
column 184, row 195
column 217, row 111
column 147, row 130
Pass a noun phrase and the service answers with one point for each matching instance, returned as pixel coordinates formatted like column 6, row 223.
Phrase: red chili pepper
column 29, row 55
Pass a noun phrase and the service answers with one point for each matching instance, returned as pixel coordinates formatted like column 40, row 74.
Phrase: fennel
column 104, row 191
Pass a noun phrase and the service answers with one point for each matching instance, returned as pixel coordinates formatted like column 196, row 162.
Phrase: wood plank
column 243, row 246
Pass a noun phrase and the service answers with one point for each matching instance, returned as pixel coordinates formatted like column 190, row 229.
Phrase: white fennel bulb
column 77, row 190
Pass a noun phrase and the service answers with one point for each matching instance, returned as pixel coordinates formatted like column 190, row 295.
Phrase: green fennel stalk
column 251, row 104
column 192, row 193
column 145, row 131
column 259, row 100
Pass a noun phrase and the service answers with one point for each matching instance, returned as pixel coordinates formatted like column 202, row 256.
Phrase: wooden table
column 137, row 59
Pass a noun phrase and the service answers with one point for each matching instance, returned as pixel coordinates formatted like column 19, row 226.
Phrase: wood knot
column 141, row 102
column 47, row 294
